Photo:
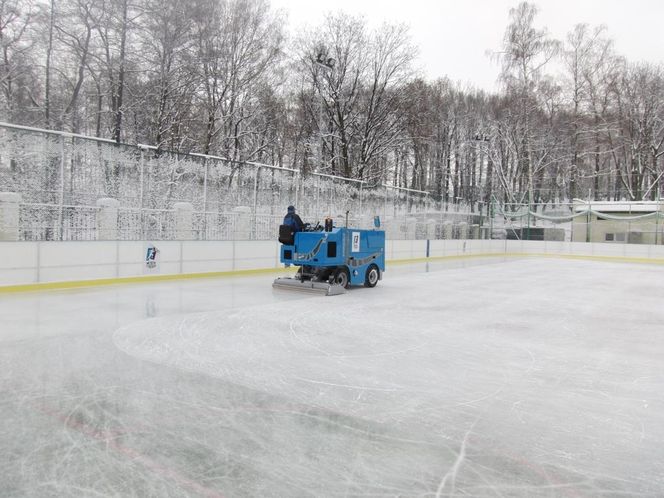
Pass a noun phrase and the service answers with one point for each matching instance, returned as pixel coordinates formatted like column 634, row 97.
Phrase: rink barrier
column 27, row 266
column 615, row 259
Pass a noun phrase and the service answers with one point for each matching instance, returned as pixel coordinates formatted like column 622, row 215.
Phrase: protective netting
column 612, row 222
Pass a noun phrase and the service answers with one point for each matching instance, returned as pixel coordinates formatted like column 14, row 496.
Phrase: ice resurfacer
column 332, row 259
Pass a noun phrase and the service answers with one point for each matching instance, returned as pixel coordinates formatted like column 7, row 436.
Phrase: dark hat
column 291, row 208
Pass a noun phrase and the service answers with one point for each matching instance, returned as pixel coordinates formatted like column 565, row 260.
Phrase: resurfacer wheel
column 371, row 278
column 342, row 278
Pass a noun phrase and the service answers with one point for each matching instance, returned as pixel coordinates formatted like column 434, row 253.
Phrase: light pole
column 482, row 137
column 327, row 64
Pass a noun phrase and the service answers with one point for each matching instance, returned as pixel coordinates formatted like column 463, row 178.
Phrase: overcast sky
column 453, row 36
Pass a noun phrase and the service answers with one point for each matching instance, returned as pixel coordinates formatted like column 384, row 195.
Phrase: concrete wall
column 37, row 262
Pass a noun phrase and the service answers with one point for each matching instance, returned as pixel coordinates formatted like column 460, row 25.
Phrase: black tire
column 341, row 277
column 372, row 276
column 326, row 275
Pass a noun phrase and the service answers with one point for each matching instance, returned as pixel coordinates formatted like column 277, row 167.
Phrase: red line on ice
column 107, row 437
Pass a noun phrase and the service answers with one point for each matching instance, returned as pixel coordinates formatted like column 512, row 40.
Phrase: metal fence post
column 361, row 185
column 657, row 222
column 629, row 224
column 491, row 214
column 385, row 203
column 528, row 228
column 141, row 194
column 205, row 183
column 62, row 189
column 255, row 204
column 205, row 189
column 318, row 214
column 142, row 176
column 588, row 221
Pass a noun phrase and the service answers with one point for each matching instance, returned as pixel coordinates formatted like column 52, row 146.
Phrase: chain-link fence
column 65, row 182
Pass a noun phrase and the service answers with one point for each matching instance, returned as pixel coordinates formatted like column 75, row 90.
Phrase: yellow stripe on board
column 233, row 273
column 74, row 284
column 618, row 259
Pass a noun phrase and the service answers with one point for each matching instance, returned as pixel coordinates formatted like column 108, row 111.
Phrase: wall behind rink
column 28, row 263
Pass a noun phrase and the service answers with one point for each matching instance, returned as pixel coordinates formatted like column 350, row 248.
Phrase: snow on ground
column 529, row 377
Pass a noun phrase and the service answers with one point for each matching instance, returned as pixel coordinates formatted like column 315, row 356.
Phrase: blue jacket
column 294, row 221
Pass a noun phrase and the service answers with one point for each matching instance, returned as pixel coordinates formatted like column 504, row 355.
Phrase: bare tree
column 114, row 20
column 169, row 82
column 237, row 44
column 344, row 40
column 637, row 145
column 77, row 38
column 391, row 56
column 358, row 103
column 15, row 47
column 526, row 52
column 578, row 57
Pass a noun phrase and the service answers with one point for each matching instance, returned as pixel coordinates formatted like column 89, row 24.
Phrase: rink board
column 28, row 265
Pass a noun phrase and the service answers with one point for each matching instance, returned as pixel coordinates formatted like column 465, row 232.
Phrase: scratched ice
column 520, row 378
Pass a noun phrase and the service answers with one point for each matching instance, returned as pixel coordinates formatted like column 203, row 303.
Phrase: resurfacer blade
column 323, row 288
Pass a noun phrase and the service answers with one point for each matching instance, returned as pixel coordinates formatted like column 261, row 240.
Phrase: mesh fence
column 62, row 179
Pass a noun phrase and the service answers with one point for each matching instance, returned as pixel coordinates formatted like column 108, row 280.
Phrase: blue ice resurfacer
column 332, row 259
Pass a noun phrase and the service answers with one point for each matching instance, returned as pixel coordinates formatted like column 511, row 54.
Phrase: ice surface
column 532, row 377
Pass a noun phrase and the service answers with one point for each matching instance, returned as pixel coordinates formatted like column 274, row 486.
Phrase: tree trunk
column 117, row 128
column 47, row 83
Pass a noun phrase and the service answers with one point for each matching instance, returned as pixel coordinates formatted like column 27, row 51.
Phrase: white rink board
column 37, row 262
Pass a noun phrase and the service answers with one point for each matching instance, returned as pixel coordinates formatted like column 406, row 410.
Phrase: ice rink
column 498, row 377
